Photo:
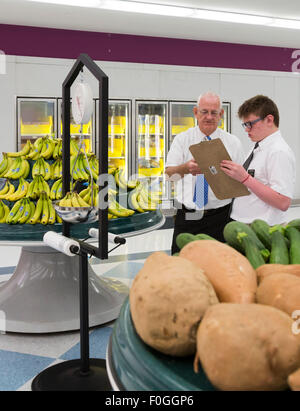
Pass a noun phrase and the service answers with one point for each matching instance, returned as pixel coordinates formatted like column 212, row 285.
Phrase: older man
column 181, row 166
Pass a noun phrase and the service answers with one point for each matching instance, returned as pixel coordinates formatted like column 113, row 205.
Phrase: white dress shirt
column 274, row 164
column 179, row 154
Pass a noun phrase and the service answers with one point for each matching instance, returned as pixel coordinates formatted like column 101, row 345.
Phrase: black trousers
column 212, row 223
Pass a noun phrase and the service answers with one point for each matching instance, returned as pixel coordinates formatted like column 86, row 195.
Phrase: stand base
column 67, row 376
column 42, row 296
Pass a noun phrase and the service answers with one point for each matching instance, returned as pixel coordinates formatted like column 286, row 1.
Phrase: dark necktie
column 249, row 159
column 201, row 189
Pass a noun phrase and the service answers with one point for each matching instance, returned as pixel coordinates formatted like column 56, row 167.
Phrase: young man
column 271, row 173
column 181, row 166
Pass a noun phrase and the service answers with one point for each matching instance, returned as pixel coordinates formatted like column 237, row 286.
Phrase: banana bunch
column 4, row 211
column 93, row 163
column 36, row 149
column 56, row 190
column 25, row 150
column 21, row 212
column 20, row 192
column 74, row 148
column 57, row 152
column 78, row 169
column 143, row 199
column 116, row 209
column 19, row 168
column 86, row 195
column 121, row 181
column 48, row 147
column 73, row 200
column 44, row 212
column 5, row 164
column 7, row 190
column 56, row 169
column 41, row 167
column 37, row 186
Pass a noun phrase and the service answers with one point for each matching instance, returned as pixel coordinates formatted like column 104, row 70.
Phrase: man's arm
column 265, row 193
column 190, row 167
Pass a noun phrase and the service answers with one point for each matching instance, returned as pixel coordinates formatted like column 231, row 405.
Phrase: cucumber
column 203, row 236
column 261, row 229
column 293, row 235
column 252, row 252
column 279, row 250
column 231, row 231
column 184, row 238
column 294, row 223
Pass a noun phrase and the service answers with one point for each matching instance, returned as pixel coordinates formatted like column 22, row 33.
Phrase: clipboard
column 208, row 155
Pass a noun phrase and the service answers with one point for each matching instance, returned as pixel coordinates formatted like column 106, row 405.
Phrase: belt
column 208, row 212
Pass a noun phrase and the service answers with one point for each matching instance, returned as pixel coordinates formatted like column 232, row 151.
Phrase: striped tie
column 201, row 189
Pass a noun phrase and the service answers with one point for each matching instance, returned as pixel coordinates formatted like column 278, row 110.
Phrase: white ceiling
column 22, row 12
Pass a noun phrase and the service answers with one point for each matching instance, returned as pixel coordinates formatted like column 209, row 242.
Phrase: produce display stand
column 134, row 366
column 42, row 295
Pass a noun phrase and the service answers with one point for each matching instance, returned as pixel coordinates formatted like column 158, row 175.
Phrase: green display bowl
column 134, row 366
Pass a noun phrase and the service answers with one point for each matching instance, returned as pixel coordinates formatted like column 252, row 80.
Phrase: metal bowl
column 77, row 215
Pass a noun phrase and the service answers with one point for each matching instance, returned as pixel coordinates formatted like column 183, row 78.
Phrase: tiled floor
column 23, row 356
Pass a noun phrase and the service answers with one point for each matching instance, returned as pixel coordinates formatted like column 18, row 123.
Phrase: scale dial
column 82, row 103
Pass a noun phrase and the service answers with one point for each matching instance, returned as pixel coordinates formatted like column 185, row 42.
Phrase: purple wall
column 57, row 43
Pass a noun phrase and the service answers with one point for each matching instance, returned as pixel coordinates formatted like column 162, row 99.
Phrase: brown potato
column 247, row 347
column 168, row 298
column 281, row 291
column 231, row 274
column 294, row 380
column 269, row 269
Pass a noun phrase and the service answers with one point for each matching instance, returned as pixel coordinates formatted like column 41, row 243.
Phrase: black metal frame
column 86, row 373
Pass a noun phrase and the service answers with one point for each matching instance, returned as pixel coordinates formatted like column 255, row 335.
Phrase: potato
column 281, row 291
column 168, row 298
column 294, row 380
column 231, row 274
column 268, row 269
column 247, row 347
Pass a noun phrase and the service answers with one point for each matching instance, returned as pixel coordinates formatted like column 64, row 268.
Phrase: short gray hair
column 209, row 94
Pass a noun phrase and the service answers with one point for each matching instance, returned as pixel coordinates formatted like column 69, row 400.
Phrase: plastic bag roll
column 60, row 243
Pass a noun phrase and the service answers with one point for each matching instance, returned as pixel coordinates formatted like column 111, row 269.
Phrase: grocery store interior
column 159, row 56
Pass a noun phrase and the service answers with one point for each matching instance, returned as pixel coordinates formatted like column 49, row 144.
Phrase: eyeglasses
column 213, row 113
column 249, row 124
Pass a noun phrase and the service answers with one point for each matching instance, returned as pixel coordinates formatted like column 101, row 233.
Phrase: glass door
column 36, row 117
column 151, row 140
column 119, row 126
column 87, row 129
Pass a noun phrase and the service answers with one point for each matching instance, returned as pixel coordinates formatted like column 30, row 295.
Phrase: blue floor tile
column 98, row 342
column 16, row 368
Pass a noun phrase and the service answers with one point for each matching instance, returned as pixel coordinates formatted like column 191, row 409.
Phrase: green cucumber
column 293, row 235
column 203, row 236
column 279, row 249
column 261, row 229
column 184, row 238
column 294, row 223
column 230, row 234
column 252, row 252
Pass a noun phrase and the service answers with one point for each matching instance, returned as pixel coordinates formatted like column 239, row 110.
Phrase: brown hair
column 261, row 106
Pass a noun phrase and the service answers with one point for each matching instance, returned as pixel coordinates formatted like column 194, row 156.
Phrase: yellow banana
column 58, row 219
column 25, row 150
column 14, row 167
column 32, row 211
column 59, row 191
column 51, row 219
column 37, row 212
column 56, row 149
column 133, row 203
column 81, row 202
column 47, row 171
column 20, row 192
column 2, row 211
column 19, row 213
column 26, row 215
column 45, row 211
column 13, row 211
column 10, row 191
column 48, row 148
column 5, row 215
column 5, row 188
column 4, row 163
column 54, row 188
column 24, row 168
column 66, row 201
column 74, row 200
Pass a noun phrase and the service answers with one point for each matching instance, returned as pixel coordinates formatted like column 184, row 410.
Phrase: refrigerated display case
column 87, row 129
column 36, row 117
column 119, row 126
column 150, row 138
